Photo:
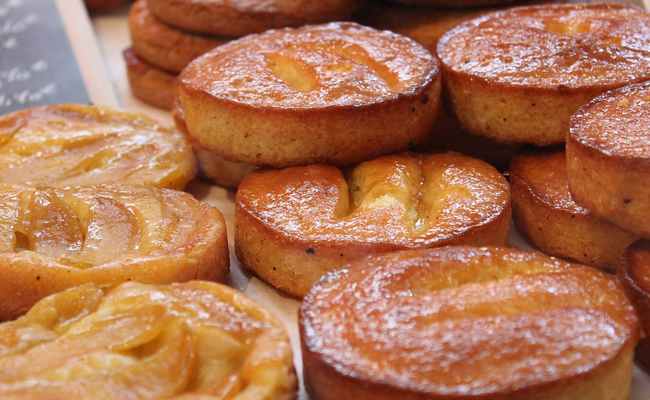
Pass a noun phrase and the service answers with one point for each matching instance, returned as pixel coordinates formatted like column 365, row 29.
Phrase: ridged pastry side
column 467, row 323
column 608, row 157
column 534, row 66
column 152, row 85
column 294, row 225
column 196, row 340
column 336, row 94
column 545, row 212
column 54, row 239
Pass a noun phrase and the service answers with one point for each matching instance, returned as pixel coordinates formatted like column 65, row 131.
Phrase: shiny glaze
column 72, row 145
column 558, row 47
column 465, row 321
column 91, row 226
column 616, row 123
column 337, row 64
column 545, row 174
column 400, row 200
column 145, row 341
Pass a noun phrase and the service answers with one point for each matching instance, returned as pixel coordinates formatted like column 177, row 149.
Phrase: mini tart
column 239, row 18
column 296, row 224
column 72, row 145
column 195, row 340
column 634, row 273
column 336, row 94
column 608, row 157
column 535, row 66
column 53, row 239
column 163, row 46
column 212, row 167
column 467, row 323
column 152, row 85
column 545, row 212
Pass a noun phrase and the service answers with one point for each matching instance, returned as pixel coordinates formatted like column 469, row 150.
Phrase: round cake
column 152, row 85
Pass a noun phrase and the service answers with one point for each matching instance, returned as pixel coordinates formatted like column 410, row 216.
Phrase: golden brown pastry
column 467, row 323
column 71, row 145
column 533, row 67
column 212, row 167
column 196, row 340
column 163, row 46
column 608, row 157
column 337, row 94
column 296, row 224
column 152, row 85
column 544, row 210
column 634, row 273
column 241, row 17
column 53, row 239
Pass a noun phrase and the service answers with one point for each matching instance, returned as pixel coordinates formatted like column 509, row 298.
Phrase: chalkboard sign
column 37, row 64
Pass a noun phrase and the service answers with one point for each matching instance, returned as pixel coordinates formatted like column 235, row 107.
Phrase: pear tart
column 195, row 340
column 608, row 157
column 468, row 323
column 544, row 210
column 296, row 224
column 148, row 83
column 634, row 273
column 518, row 75
column 337, row 94
column 53, row 239
column 241, row 17
column 164, row 46
column 73, row 145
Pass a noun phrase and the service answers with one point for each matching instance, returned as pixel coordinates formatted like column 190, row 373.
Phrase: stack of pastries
column 337, row 137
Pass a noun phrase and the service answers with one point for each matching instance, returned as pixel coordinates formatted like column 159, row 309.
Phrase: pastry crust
column 242, row 17
column 72, row 145
column 544, row 210
column 467, row 323
column 551, row 60
column 336, row 94
column 296, row 224
column 608, row 157
column 634, row 274
column 163, row 46
column 152, row 85
column 54, row 239
column 195, row 340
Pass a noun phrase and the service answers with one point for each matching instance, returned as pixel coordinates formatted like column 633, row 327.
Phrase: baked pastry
column 634, row 274
column 212, row 167
column 535, row 66
column 296, row 224
column 103, row 5
column 337, row 94
column 53, row 239
column 467, row 323
column 164, row 46
column 152, row 85
column 72, row 145
column 195, row 340
column 608, row 157
column 544, row 211
column 239, row 18
column 455, row 3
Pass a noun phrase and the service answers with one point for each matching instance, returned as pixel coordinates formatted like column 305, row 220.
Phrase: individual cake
column 239, row 18
column 608, row 157
column 338, row 93
column 294, row 225
column 162, row 45
column 634, row 273
column 533, row 67
column 54, row 239
column 467, row 323
column 195, row 340
column 71, row 145
column 152, row 85
column 544, row 210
